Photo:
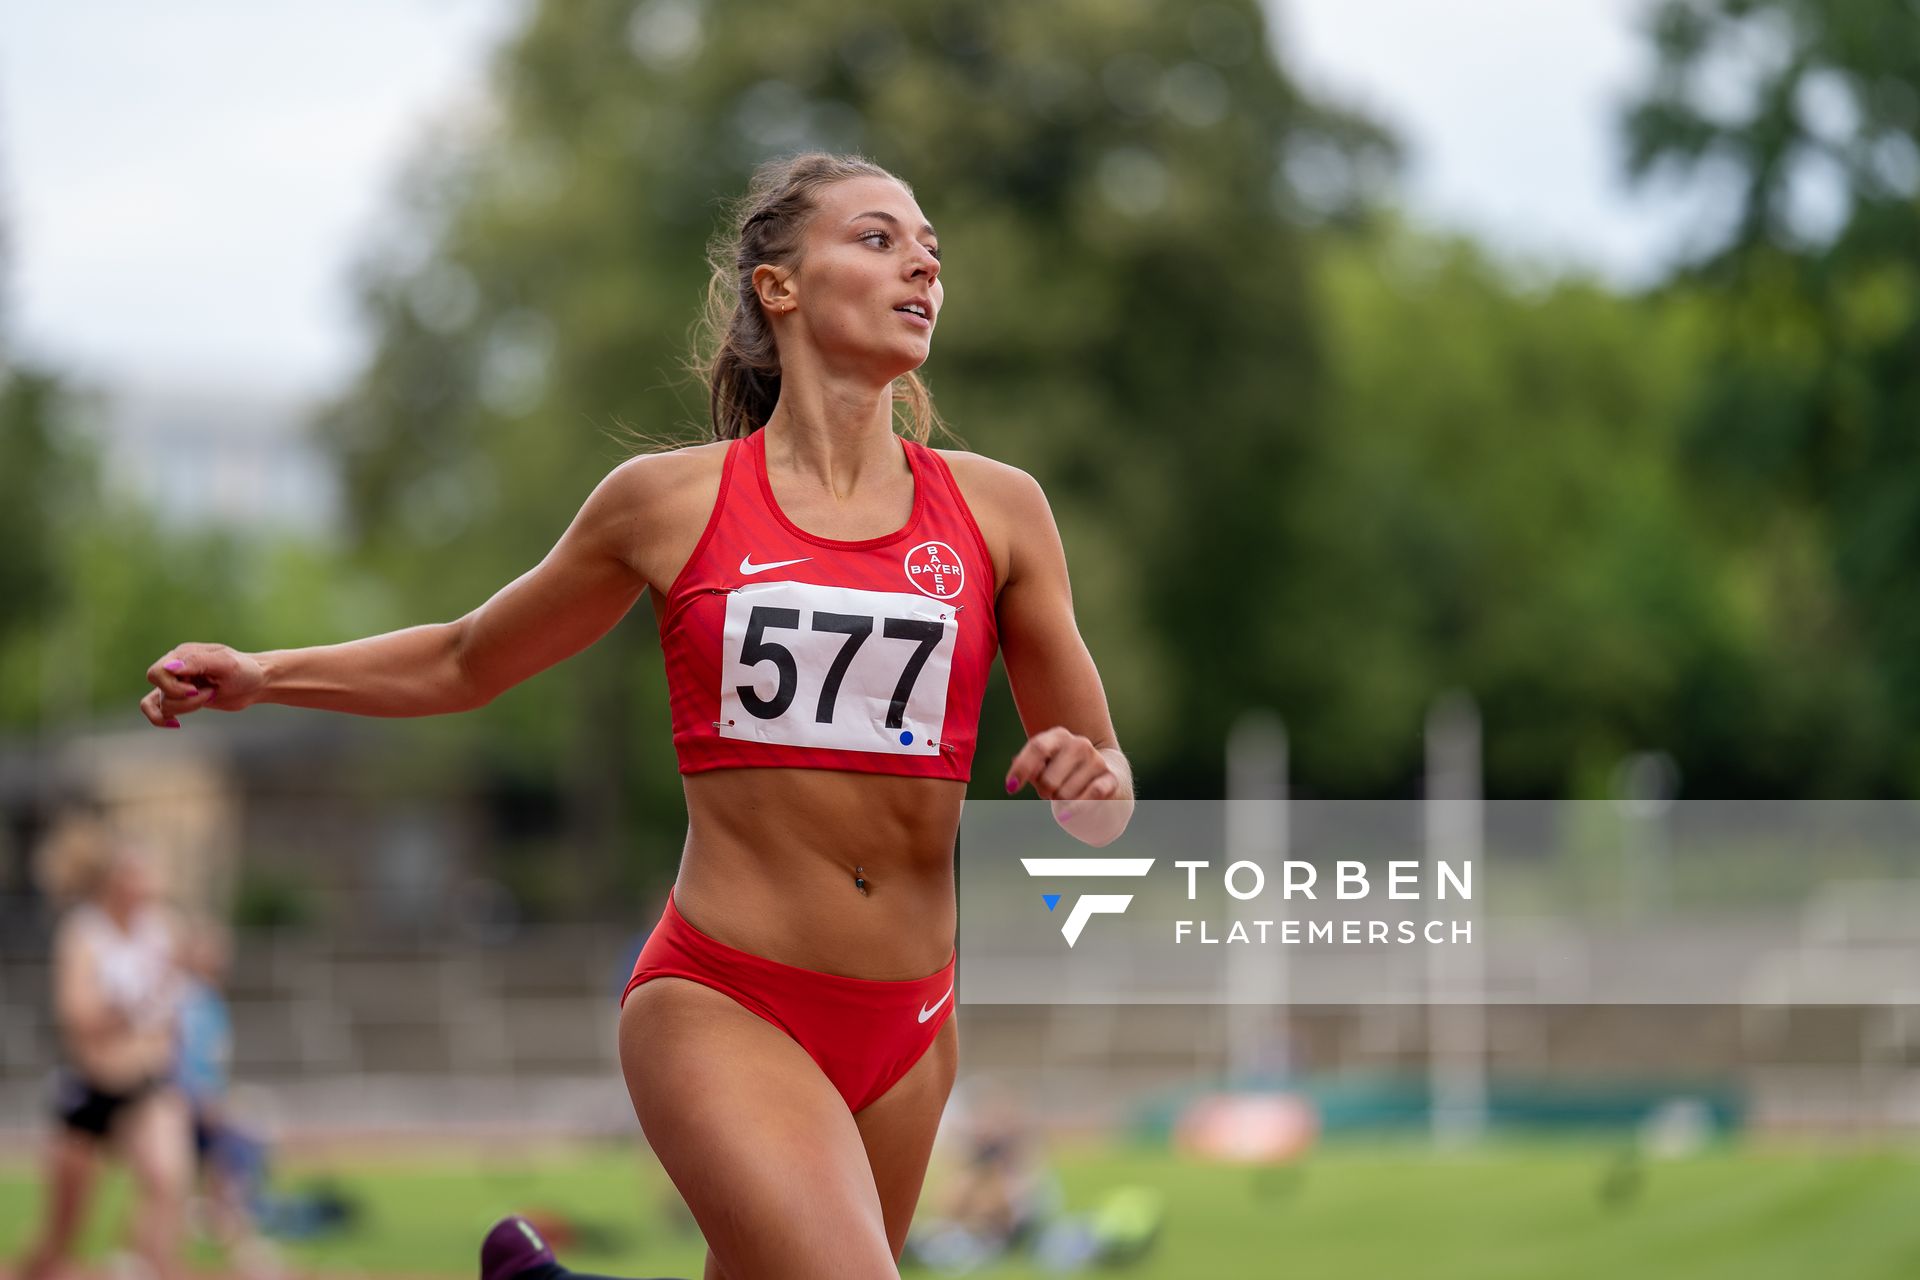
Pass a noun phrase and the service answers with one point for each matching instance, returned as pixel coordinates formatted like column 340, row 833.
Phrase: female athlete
column 829, row 596
column 115, row 996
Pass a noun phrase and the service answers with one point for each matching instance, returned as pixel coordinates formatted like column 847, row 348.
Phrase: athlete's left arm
column 1072, row 756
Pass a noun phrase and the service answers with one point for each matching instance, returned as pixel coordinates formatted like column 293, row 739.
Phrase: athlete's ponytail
column 734, row 352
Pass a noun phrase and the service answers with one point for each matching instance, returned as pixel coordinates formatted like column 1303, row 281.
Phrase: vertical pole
column 1456, row 977
column 1644, row 785
column 1257, row 831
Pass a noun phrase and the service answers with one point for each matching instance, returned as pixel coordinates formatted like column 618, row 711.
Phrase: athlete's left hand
column 1064, row 765
column 1091, row 792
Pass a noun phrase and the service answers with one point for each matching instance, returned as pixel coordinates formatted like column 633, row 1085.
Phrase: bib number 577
column 856, row 627
column 803, row 665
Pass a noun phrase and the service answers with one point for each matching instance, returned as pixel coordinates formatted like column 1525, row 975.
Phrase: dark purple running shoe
column 512, row 1246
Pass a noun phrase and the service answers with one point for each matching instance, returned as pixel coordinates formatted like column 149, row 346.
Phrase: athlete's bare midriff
column 120, row 1061
column 771, row 859
column 772, row 853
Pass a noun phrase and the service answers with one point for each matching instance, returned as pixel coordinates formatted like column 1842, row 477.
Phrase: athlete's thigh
column 898, row 1130
column 755, row 1138
column 73, row 1169
column 155, row 1135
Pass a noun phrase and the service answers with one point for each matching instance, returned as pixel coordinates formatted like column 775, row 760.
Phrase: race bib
column 812, row 666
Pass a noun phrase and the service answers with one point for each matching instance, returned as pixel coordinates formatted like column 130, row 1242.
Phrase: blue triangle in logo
column 1051, row 899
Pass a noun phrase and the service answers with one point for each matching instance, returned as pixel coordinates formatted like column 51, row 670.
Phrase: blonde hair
column 75, row 858
column 734, row 352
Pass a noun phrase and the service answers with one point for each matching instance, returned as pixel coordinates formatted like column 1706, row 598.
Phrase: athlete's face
column 129, row 883
column 868, row 260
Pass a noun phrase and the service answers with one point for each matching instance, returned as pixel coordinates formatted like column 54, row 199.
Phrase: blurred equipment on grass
column 1248, row 1128
column 1003, row 1202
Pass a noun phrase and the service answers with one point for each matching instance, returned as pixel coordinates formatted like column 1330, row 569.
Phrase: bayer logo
column 934, row 568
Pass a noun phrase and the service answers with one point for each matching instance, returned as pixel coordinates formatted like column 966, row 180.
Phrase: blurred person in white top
column 115, row 1004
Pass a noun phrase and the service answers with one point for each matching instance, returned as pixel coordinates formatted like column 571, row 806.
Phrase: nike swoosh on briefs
column 926, row 1013
column 748, row 566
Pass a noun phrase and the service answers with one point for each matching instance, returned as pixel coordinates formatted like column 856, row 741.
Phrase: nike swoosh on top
column 748, row 566
column 926, row 1012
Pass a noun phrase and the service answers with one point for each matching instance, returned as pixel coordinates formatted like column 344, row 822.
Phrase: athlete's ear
column 774, row 285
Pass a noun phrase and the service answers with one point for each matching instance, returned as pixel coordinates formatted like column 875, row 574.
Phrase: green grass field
column 1536, row 1211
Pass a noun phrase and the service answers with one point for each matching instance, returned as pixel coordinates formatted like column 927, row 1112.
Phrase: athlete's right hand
column 193, row 676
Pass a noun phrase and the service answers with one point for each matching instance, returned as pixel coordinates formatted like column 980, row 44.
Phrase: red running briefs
column 864, row 1033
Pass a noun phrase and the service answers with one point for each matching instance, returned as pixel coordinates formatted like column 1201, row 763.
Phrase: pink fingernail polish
column 176, row 665
column 171, row 723
column 1065, row 813
column 1013, row 785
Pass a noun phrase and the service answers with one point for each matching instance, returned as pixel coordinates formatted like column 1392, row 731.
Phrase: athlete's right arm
column 586, row 584
column 81, row 1012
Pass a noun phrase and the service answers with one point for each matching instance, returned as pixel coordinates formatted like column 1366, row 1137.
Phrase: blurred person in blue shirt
column 206, row 1030
column 231, row 1161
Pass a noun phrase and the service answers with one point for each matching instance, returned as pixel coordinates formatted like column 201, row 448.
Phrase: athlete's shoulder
column 663, row 488
column 666, row 471
column 78, row 935
column 164, row 927
column 1004, row 500
column 1000, row 486
column 989, row 477
column 651, row 507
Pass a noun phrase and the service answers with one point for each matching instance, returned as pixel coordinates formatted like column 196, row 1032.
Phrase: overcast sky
column 159, row 163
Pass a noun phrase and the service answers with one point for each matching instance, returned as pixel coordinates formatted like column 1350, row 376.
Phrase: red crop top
column 787, row 649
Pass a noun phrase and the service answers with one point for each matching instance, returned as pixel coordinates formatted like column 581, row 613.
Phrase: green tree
column 1506, row 508
column 1809, row 116
column 46, row 473
column 96, row 586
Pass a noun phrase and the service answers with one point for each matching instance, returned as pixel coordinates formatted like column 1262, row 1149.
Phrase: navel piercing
column 860, row 879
